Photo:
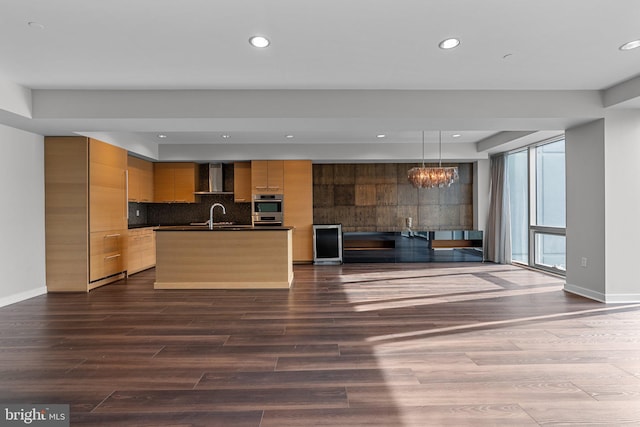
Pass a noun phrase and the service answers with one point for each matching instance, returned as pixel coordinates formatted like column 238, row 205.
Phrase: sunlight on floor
column 434, row 331
column 448, row 298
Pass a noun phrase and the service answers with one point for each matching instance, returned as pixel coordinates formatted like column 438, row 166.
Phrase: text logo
column 34, row 415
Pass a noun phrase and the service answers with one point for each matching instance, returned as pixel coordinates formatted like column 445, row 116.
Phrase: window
column 536, row 179
column 550, row 185
column 517, row 172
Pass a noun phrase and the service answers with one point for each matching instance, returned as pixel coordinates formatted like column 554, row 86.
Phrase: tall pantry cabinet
column 85, row 213
column 298, row 207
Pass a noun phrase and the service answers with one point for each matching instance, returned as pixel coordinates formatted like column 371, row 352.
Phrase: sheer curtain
column 498, row 234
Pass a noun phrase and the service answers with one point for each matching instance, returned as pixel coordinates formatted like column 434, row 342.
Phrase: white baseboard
column 601, row 297
column 12, row 299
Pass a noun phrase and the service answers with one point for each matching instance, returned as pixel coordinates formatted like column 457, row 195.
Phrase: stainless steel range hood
column 215, row 180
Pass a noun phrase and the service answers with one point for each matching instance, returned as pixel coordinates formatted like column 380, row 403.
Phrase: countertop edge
column 191, row 228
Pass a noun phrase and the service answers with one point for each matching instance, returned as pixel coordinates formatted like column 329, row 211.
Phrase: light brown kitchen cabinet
column 267, row 176
column 175, row 182
column 107, row 254
column 242, row 182
column 85, row 213
column 298, row 207
column 140, row 180
column 107, row 187
column 141, row 253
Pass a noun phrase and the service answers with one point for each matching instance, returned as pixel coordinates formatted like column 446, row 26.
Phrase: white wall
column 585, row 172
column 14, row 98
column 22, row 250
column 481, row 190
column 603, row 207
column 622, row 204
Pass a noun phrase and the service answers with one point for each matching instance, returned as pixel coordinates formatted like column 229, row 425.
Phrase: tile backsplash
column 138, row 213
column 186, row 213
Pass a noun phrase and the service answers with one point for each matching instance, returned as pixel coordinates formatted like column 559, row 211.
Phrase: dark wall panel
column 378, row 197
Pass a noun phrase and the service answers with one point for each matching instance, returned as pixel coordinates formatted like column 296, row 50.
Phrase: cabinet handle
column 112, row 235
column 112, row 256
column 126, row 193
column 261, row 187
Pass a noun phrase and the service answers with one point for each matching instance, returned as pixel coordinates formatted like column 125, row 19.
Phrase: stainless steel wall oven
column 267, row 209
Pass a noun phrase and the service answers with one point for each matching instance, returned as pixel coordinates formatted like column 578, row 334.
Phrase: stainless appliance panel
column 267, row 209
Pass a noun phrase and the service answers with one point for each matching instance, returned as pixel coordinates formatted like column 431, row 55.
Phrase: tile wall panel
column 322, row 195
column 365, row 195
column 386, row 218
column 387, row 194
column 366, row 173
column 428, row 196
column 324, row 216
column 323, row 174
column 344, row 195
column 365, row 216
column 344, row 174
column 387, row 173
column 378, row 197
column 407, row 195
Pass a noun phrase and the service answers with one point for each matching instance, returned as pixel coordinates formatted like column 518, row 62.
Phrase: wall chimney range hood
column 214, row 183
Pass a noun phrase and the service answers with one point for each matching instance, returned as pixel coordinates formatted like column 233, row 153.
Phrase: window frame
column 533, row 229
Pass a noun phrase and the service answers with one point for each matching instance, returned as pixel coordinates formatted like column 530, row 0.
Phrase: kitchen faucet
column 224, row 212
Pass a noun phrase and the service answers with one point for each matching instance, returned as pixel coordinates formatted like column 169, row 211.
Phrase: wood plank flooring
column 351, row 345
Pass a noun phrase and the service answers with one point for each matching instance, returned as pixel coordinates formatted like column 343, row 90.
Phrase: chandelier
column 423, row 177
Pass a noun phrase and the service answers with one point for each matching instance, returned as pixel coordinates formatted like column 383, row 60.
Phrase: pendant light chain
column 422, row 148
column 440, row 148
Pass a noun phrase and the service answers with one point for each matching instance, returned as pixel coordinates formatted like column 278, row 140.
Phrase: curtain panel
column 498, row 234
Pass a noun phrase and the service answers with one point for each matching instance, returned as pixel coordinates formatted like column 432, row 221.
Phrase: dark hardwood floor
column 351, row 345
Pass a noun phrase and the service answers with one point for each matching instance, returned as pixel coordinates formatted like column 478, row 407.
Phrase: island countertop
column 229, row 257
column 221, row 228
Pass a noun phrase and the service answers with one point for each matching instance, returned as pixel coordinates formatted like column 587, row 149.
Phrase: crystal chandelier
column 423, row 177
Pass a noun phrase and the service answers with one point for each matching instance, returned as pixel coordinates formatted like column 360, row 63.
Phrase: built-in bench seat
column 414, row 246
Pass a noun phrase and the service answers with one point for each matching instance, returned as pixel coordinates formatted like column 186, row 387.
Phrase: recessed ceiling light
column 381, row 135
column 225, row 136
column 259, row 41
column 289, row 136
column 456, row 135
column 449, row 43
column 36, row 25
column 630, row 45
column 162, row 135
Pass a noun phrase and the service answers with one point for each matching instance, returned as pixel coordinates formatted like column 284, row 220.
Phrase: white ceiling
column 348, row 48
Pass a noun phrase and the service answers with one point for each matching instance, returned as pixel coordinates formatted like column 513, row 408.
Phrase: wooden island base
column 192, row 258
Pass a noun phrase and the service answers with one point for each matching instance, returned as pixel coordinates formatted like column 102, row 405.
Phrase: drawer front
column 148, row 249
column 107, row 252
column 141, row 249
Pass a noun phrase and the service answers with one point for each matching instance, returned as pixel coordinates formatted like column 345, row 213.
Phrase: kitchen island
column 195, row 257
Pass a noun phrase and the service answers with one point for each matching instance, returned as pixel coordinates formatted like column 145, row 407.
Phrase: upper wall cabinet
column 107, row 189
column 242, row 182
column 175, row 182
column 267, row 176
column 140, row 180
